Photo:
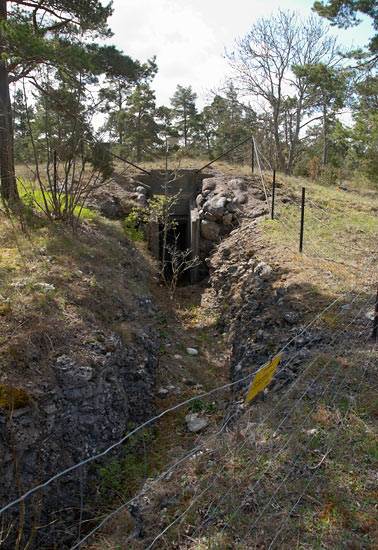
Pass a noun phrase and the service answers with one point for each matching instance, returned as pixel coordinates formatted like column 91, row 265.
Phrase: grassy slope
column 56, row 286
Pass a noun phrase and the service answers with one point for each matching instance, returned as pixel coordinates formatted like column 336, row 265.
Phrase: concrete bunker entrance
column 182, row 186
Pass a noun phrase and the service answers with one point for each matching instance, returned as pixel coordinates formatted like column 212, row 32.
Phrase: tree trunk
column 185, row 129
column 325, row 134
column 281, row 160
column 138, row 140
column 9, row 190
column 295, row 138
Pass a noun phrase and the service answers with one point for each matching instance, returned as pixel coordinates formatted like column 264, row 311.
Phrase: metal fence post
column 273, row 193
column 302, row 219
column 252, row 155
column 375, row 321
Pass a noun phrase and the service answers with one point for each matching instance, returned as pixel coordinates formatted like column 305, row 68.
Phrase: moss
column 13, row 398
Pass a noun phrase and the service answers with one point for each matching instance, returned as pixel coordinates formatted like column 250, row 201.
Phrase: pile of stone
column 219, row 207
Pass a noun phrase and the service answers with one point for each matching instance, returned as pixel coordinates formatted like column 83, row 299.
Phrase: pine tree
column 138, row 123
column 55, row 33
column 185, row 112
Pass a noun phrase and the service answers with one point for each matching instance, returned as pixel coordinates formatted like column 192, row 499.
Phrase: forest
column 311, row 105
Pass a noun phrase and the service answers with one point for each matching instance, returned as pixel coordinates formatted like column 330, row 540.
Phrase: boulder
column 209, row 184
column 232, row 207
column 209, row 230
column 210, row 216
column 216, row 206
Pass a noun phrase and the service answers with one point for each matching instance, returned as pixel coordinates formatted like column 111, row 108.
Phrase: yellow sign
column 262, row 377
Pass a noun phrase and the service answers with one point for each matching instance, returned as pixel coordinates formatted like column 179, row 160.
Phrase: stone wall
column 219, row 207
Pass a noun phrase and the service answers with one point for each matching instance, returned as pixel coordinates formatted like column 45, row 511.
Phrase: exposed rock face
column 84, row 408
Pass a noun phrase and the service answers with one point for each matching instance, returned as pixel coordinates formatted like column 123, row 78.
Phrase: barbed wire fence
column 342, row 314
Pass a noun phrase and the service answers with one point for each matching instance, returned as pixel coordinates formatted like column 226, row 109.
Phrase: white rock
column 195, row 423
column 45, row 286
column 141, row 198
column 177, row 356
column 263, row 270
column 191, row 351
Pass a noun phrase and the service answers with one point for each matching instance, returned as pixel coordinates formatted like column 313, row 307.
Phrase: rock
column 209, row 230
column 163, row 391
column 206, row 246
column 257, row 212
column 227, row 219
column 177, row 356
column 109, row 209
column 195, row 423
column 216, row 206
column 141, row 198
column 263, row 270
column 209, row 184
column 232, row 207
column 291, row 318
column 211, row 217
column 192, row 351
column 240, row 198
column 45, row 286
column 141, row 190
column 200, row 199
column 237, row 184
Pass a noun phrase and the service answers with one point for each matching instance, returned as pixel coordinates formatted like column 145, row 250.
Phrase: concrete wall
column 186, row 184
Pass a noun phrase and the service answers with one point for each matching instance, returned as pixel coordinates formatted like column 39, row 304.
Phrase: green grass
column 340, row 229
column 35, row 201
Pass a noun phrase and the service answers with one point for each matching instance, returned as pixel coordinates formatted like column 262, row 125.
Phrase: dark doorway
column 177, row 241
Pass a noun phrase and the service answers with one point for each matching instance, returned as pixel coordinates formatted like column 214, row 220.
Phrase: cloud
column 189, row 37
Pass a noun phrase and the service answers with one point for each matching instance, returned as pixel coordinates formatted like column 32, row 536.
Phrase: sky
column 189, row 37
